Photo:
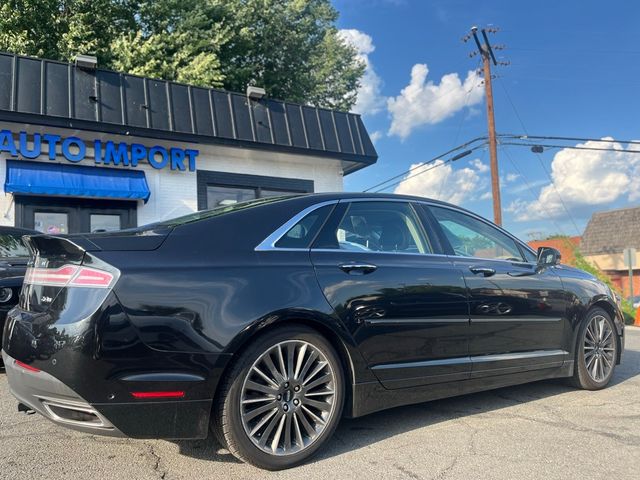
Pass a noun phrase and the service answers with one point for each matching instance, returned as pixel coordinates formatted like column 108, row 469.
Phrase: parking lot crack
column 157, row 460
column 407, row 472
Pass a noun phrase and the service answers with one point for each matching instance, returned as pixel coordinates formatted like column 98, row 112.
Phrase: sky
column 574, row 71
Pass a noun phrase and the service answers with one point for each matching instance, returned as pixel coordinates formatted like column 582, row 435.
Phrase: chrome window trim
column 374, row 252
column 269, row 243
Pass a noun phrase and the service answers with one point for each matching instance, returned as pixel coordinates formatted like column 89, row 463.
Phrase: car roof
column 17, row 231
column 328, row 196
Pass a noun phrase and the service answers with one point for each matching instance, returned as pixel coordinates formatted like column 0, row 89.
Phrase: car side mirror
column 548, row 257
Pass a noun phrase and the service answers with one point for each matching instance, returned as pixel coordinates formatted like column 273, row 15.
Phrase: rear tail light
column 25, row 366
column 69, row 276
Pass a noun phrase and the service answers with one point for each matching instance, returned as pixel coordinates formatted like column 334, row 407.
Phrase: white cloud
column 479, row 165
column 375, row 136
column 486, row 195
column 424, row 102
column 585, row 180
column 370, row 99
column 443, row 182
column 511, row 177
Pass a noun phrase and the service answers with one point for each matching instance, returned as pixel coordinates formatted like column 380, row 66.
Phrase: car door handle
column 485, row 271
column 357, row 268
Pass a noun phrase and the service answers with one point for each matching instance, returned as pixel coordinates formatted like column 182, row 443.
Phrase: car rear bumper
column 54, row 400
column 88, row 375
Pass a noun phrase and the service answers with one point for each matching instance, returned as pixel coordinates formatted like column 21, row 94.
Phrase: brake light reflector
column 69, row 275
column 173, row 394
column 25, row 366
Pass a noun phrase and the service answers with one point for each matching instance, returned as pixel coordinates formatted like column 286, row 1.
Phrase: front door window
column 470, row 237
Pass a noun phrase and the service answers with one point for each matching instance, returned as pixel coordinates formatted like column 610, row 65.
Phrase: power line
column 568, row 139
column 444, row 162
column 570, row 147
column 571, row 52
column 529, row 187
column 544, row 167
column 462, row 120
column 424, row 164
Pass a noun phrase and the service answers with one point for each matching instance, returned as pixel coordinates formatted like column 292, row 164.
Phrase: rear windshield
column 215, row 212
column 11, row 246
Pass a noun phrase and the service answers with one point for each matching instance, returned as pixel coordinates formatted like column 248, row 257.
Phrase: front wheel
column 596, row 351
column 281, row 400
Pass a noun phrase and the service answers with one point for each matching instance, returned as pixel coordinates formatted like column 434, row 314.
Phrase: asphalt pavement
column 541, row 430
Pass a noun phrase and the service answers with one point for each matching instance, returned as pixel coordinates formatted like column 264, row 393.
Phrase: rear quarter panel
column 206, row 290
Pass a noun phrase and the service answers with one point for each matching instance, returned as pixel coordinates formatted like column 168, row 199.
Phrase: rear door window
column 389, row 227
column 302, row 233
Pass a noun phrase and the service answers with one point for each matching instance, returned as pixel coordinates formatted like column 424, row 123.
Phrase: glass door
column 59, row 216
column 51, row 222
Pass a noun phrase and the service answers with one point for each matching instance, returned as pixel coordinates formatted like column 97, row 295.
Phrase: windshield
column 215, row 212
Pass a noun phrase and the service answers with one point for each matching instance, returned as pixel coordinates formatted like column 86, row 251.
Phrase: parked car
column 636, row 301
column 269, row 320
column 13, row 263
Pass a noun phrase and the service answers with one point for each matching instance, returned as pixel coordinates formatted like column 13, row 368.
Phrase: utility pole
column 486, row 52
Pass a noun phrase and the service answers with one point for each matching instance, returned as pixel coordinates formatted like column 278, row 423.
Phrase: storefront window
column 264, row 193
column 218, row 196
column 52, row 223
column 105, row 223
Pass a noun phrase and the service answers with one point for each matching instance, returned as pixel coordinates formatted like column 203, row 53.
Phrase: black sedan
column 13, row 263
column 267, row 321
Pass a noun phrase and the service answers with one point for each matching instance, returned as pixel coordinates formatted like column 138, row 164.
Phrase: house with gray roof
column 606, row 236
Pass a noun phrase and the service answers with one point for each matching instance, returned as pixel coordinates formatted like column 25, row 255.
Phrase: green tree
column 289, row 47
column 292, row 49
column 92, row 26
column 31, row 27
column 60, row 29
column 176, row 40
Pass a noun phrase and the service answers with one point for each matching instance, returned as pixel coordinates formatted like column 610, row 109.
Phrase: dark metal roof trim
column 53, row 93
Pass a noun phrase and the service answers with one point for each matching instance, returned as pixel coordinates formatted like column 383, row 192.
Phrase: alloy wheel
column 599, row 348
column 288, row 397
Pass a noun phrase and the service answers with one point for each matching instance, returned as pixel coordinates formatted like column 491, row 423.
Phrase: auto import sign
column 74, row 150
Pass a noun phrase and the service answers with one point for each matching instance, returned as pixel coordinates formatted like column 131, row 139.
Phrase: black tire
column 227, row 422
column 582, row 375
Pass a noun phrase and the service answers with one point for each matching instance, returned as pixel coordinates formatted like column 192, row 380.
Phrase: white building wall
column 174, row 193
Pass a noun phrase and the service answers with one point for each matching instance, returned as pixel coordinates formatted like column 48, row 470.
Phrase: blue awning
column 39, row 178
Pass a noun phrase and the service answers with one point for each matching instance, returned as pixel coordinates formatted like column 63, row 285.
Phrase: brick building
column 565, row 245
column 606, row 236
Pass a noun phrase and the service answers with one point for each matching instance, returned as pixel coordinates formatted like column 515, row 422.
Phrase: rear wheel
column 596, row 351
column 281, row 400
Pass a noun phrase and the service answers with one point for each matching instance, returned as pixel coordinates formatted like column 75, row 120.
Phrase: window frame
column 438, row 241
